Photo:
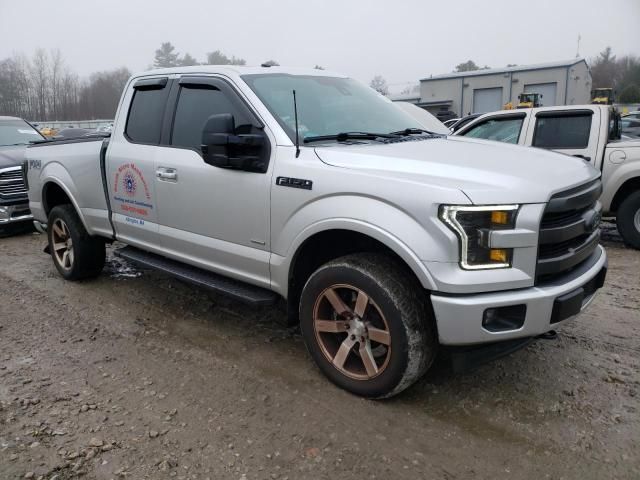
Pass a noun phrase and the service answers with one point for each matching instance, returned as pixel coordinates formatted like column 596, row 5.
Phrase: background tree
column 604, row 71
column 166, row 56
column 621, row 74
column 469, row 66
column 188, row 61
column 40, row 79
column 630, row 94
column 319, row 67
column 219, row 58
column 410, row 89
column 379, row 84
column 99, row 96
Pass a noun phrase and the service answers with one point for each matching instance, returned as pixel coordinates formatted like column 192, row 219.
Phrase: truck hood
column 12, row 156
column 487, row 172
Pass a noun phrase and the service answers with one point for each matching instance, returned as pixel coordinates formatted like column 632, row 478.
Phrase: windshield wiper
column 414, row 131
column 343, row 136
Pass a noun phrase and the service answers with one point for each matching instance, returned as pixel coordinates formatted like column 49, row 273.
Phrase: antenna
column 295, row 113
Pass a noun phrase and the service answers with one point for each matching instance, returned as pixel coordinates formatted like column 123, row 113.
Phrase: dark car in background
column 630, row 126
column 73, row 133
column 15, row 135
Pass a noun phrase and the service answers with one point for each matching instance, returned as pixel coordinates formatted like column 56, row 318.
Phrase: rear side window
column 505, row 130
column 145, row 114
column 562, row 131
column 195, row 105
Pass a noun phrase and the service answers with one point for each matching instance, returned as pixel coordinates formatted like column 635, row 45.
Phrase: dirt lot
column 136, row 375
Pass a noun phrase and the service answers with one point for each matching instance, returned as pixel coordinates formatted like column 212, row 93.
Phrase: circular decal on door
column 129, row 183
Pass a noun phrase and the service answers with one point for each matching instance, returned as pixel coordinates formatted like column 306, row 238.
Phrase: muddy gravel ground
column 136, row 375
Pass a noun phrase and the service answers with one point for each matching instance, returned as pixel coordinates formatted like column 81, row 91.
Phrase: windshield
column 327, row 105
column 17, row 132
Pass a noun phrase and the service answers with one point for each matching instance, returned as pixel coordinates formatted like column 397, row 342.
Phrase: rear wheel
column 628, row 220
column 366, row 324
column 75, row 253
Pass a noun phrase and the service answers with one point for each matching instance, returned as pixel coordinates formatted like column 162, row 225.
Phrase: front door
column 212, row 217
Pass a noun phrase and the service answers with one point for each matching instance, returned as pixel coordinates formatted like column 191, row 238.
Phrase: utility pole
column 578, row 49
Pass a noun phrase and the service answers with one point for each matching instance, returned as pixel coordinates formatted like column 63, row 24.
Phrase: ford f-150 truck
column 590, row 132
column 384, row 239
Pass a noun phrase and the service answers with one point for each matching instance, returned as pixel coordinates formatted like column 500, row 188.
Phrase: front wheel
column 628, row 220
column 75, row 253
column 366, row 323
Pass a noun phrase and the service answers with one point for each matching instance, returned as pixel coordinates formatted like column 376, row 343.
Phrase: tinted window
column 505, row 130
column 145, row 115
column 195, row 106
column 563, row 131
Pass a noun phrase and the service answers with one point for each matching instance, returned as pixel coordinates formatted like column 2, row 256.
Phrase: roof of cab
column 234, row 70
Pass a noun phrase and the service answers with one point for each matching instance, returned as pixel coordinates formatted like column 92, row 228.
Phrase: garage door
column 548, row 91
column 487, row 100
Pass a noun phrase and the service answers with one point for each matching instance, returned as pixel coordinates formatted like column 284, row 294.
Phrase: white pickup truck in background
column 587, row 131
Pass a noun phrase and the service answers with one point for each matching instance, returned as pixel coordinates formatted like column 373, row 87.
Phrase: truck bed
column 76, row 165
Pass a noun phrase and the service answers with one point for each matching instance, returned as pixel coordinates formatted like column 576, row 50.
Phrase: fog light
column 502, row 319
column 499, row 255
column 4, row 213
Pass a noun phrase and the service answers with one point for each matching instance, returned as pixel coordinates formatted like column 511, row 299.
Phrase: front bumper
column 15, row 213
column 460, row 317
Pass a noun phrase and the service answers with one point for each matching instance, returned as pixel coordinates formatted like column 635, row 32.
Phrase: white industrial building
column 560, row 83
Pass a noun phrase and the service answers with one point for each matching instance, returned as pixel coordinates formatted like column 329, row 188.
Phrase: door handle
column 167, row 174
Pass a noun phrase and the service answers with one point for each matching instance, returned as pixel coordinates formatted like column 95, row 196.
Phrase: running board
column 246, row 293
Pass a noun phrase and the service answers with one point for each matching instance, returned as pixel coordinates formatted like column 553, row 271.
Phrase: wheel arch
column 335, row 238
column 627, row 188
column 54, row 193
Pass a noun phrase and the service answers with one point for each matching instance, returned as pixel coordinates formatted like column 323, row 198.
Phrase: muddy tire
column 628, row 220
column 75, row 253
column 366, row 323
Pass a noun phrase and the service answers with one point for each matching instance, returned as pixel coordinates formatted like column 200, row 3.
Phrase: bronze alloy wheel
column 352, row 332
column 62, row 244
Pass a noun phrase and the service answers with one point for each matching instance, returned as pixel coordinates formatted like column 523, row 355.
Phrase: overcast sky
column 403, row 40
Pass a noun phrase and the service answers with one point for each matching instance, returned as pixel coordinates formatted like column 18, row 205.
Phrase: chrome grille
column 12, row 183
column 569, row 231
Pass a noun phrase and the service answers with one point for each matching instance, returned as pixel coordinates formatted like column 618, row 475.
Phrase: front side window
column 195, row 106
column 145, row 115
column 327, row 105
column 17, row 132
column 505, row 130
column 562, row 131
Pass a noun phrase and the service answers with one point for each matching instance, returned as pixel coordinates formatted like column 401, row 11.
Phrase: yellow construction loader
column 602, row 96
column 529, row 100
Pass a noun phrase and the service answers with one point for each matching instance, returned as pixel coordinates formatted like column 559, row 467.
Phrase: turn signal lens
column 500, row 217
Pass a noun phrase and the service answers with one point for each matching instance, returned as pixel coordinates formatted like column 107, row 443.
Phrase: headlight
column 473, row 225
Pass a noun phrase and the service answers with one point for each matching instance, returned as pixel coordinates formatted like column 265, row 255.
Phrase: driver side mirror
column 222, row 148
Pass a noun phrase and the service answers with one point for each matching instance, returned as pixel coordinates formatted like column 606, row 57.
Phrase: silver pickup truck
column 386, row 241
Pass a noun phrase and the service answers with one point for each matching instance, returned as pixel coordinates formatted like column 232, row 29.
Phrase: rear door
column 572, row 132
column 131, row 158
